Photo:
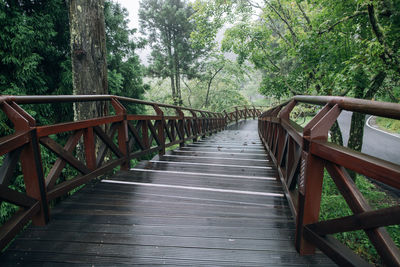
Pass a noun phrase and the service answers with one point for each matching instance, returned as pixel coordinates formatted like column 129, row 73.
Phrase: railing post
column 245, row 113
column 221, row 121
column 31, row 161
column 311, row 175
column 145, row 134
column 225, row 118
column 181, row 126
column 123, row 141
column 195, row 126
column 237, row 115
column 203, row 125
column 160, row 129
column 90, row 149
column 254, row 113
column 211, row 123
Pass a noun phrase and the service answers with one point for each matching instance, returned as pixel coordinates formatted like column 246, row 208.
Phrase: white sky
column 133, row 8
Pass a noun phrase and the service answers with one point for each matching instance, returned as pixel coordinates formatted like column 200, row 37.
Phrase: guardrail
column 120, row 138
column 302, row 155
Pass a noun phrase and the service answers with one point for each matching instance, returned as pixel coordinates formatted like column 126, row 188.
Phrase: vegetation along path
column 214, row 202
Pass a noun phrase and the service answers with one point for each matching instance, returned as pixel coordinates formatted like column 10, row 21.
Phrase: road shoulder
column 371, row 123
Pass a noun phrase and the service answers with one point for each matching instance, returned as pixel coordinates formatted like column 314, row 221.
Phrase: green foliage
column 226, row 89
column 34, row 53
column 125, row 73
column 388, row 124
column 311, row 47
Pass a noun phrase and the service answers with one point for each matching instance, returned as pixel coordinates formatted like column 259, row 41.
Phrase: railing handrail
column 301, row 156
column 43, row 99
column 376, row 108
column 127, row 136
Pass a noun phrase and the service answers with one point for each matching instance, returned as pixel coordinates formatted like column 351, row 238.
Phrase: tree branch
column 304, row 15
column 294, row 36
column 356, row 14
column 275, row 29
column 291, row 89
column 375, row 26
column 190, row 92
column 388, row 53
column 255, row 5
column 376, row 83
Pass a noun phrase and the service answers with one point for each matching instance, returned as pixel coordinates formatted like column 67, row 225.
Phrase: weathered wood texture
column 214, row 203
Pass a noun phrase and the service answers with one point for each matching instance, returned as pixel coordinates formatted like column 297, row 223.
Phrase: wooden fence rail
column 108, row 142
column 302, row 155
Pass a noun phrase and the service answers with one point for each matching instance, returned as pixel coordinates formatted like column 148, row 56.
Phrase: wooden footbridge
column 217, row 189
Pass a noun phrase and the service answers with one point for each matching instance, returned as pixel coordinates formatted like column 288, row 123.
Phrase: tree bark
column 177, row 67
column 336, row 134
column 88, row 53
column 358, row 119
column 388, row 56
column 172, row 78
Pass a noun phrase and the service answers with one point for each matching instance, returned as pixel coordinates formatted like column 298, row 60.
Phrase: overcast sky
column 133, row 9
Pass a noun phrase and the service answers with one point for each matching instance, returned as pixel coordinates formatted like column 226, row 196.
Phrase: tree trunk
column 336, row 134
column 177, row 76
column 178, row 85
column 356, row 131
column 357, row 119
column 88, row 52
column 356, row 136
column 172, row 78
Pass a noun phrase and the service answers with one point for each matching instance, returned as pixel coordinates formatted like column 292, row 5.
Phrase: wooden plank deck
column 213, row 203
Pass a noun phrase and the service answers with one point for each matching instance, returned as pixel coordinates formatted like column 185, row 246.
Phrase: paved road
column 375, row 143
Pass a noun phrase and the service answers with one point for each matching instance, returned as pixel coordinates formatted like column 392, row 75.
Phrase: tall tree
column 125, row 73
column 88, row 52
column 346, row 48
column 167, row 25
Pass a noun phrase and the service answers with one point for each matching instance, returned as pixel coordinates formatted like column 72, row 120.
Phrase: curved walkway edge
column 368, row 123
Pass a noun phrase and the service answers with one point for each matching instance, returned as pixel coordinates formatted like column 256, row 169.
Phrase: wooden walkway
column 212, row 203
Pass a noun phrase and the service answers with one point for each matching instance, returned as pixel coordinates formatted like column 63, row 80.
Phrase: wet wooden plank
column 234, row 182
column 69, row 259
column 172, row 230
column 216, row 160
column 220, row 154
column 241, row 171
column 216, row 148
column 189, row 253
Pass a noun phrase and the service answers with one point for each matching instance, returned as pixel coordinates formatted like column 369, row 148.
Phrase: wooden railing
column 241, row 113
column 302, row 155
column 108, row 142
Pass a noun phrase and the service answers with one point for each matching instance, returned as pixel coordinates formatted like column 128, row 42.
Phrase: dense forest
column 212, row 55
column 349, row 48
